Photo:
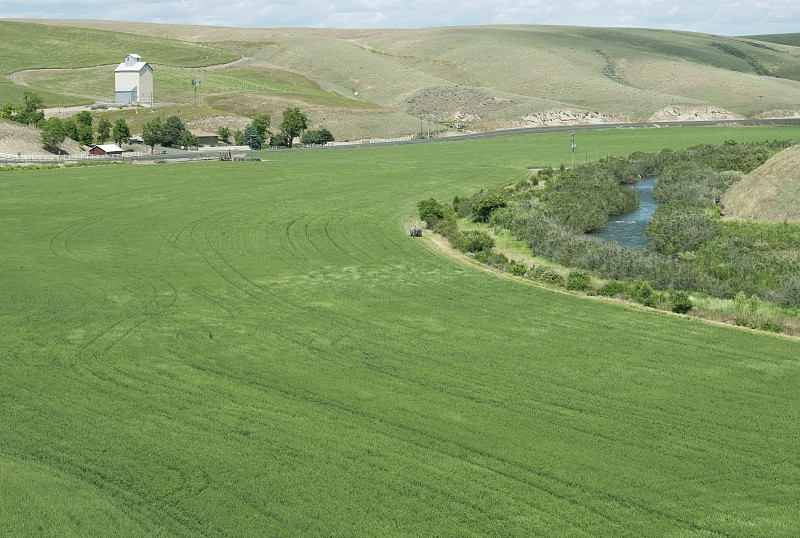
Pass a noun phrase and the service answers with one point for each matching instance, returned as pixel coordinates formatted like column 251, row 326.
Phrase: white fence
column 372, row 141
column 63, row 158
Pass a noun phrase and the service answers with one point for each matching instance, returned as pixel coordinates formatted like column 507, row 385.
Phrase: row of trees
column 293, row 124
column 171, row 133
column 29, row 112
column 54, row 131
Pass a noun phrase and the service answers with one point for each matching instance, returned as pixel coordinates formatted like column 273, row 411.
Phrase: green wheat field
column 258, row 348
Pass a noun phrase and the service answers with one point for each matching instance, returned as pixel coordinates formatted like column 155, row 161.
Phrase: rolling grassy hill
column 41, row 46
column 780, row 39
column 382, row 82
column 770, row 193
column 259, row 349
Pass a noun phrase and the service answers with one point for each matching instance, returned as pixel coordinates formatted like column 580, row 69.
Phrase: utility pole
column 573, row 149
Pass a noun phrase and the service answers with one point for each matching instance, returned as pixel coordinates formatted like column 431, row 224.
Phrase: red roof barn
column 106, row 149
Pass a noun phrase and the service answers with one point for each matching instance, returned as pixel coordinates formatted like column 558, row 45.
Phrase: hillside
column 769, row 193
column 16, row 138
column 781, row 39
column 362, row 83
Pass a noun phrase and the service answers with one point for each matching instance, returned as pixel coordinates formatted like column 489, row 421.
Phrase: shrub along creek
column 688, row 248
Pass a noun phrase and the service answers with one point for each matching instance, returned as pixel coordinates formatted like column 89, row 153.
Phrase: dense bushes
column 583, row 199
column 578, row 280
column 679, row 227
column 485, row 204
column 430, row 211
column 690, row 248
column 475, row 241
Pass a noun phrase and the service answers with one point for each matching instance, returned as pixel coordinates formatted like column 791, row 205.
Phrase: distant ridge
column 364, row 83
column 781, row 39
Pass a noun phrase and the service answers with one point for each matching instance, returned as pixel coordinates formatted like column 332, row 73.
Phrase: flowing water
column 628, row 229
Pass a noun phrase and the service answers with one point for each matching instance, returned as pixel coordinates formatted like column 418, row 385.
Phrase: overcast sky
column 707, row 16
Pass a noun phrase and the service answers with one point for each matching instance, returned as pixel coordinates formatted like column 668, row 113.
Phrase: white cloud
column 715, row 16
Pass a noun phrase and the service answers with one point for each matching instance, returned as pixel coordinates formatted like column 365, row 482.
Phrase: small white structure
column 133, row 81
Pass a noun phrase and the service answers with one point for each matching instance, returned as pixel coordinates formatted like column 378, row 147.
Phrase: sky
column 731, row 17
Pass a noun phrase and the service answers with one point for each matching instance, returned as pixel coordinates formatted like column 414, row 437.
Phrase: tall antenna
column 195, row 83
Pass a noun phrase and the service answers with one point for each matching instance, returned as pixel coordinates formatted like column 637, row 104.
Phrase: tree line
column 171, row 132
column 294, row 123
column 54, row 130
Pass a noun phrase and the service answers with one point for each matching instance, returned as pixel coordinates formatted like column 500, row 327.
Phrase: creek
column 628, row 229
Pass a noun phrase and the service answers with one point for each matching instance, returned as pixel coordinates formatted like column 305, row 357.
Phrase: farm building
column 206, row 139
column 133, row 81
column 106, row 149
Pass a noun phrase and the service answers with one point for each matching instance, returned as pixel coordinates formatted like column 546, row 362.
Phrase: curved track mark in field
column 308, row 235
column 202, row 240
column 108, row 370
column 514, row 468
column 203, row 248
column 326, row 229
column 200, row 292
column 499, row 461
column 288, row 231
column 59, row 244
column 350, row 228
column 428, row 441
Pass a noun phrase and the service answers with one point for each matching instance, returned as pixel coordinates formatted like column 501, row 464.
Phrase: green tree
column 483, row 206
column 84, row 118
column 294, row 122
column 224, row 133
column 103, row 131
column 173, row 128
column 251, row 137
column 52, row 134
column 153, row 133
column 280, row 140
column 187, row 139
column 7, row 111
column 120, row 132
column 71, row 129
column 317, row 136
column 85, row 134
column 238, row 138
column 31, row 113
column 430, row 211
column 261, row 124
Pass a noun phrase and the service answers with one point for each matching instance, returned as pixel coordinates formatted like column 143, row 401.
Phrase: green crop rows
column 259, row 349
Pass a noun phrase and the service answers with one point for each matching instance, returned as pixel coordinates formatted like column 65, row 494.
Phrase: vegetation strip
column 692, row 250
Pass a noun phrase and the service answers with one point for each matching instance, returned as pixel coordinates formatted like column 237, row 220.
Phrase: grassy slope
column 781, row 39
column 34, row 46
column 258, row 348
column 769, row 193
column 526, row 69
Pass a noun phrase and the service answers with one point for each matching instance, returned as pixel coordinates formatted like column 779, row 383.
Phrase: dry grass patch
column 771, row 192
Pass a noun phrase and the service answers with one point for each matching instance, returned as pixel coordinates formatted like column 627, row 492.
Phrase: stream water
column 628, row 230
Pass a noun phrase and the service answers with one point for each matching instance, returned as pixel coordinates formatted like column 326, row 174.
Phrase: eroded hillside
column 770, row 193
